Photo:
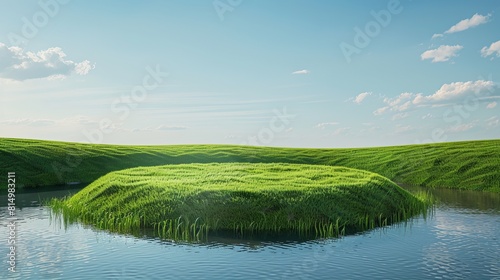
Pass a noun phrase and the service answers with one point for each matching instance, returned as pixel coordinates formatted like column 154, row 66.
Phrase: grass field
column 187, row 201
column 463, row 165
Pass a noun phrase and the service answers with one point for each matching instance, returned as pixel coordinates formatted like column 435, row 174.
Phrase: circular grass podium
column 189, row 201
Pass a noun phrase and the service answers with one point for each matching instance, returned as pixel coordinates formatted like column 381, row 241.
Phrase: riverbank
column 472, row 165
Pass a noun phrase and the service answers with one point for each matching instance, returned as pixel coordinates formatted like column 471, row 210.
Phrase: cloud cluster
column 398, row 104
column 454, row 91
column 445, row 52
column 16, row 64
column 448, row 93
column 442, row 53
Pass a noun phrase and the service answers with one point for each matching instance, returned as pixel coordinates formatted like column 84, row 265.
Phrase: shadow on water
column 464, row 199
column 256, row 239
column 230, row 238
column 37, row 197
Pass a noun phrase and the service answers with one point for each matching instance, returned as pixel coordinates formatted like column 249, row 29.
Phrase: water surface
column 460, row 241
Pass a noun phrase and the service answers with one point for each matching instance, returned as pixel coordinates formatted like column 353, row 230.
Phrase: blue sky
column 271, row 73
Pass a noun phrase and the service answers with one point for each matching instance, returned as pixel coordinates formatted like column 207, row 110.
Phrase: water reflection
column 460, row 241
column 464, row 199
column 37, row 197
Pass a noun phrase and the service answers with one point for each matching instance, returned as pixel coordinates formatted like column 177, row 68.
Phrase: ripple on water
column 465, row 247
column 451, row 245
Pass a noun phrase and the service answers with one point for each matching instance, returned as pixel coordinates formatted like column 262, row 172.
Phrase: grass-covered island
column 187, row 201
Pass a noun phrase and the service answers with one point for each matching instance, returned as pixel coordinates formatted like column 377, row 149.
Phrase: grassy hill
column 186, row 201
column 462, row 165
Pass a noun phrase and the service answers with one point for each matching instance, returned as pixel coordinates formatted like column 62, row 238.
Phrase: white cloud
column 301, row 72
column 84, row 67
column 380, row 111
column 16, row 64
column 437, row 36
column 453, row 92
column 360, row 97
column 442, row 53
column 395, row 101
column 325, row 124
column 491, row 50
column 491, row 105
column 465, row 24
column 400, row 103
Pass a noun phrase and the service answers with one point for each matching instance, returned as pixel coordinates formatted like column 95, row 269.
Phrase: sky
column 289, row 73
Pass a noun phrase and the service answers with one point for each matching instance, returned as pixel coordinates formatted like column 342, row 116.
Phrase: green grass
column 471, row 165
column 187, row 201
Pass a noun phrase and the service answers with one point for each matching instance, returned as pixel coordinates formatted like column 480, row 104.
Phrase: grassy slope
column 467, row 165
column 243, row 197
